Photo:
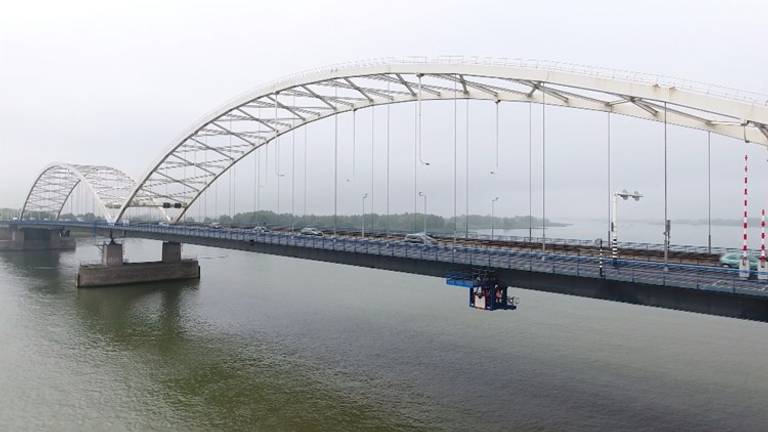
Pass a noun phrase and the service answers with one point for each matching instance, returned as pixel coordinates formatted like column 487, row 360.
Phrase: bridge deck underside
column 700, row 289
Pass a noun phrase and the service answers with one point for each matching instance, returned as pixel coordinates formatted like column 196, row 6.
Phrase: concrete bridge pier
column 13, row 238
column 113, row 270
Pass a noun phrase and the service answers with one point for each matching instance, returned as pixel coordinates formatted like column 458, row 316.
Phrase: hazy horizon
column 122, row 97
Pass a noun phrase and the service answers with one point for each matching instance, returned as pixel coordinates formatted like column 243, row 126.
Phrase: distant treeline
column 395, row 222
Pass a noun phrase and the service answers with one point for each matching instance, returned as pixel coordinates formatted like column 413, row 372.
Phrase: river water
column 265, row 343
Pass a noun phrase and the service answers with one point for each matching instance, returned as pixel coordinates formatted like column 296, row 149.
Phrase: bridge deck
column 573, row 274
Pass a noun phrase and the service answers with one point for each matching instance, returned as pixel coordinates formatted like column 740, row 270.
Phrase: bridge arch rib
column 218, row 141
column 54, row 185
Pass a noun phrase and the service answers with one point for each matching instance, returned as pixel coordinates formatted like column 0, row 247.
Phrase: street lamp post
column 422, row 194
column 493, row 216
column 362, row 226
column 614, row 236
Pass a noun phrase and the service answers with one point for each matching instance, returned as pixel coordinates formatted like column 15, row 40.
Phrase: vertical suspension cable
column 610, row 192
column 255, row 183
column 543, row 169
column 277, row 159
column 258, row 173
column 455, row 159
column 530, row 170
column 497, row 135
column 184, row 210
column 266, row 150
column 205, row 194
column 197, row 171
column 335, row 165
column 354, row 141
column 293, row 172
column 231, row 204
column 387, row 157
column 304, row 207
column 466, row 168
column 666, row 193
column 215, row 195
column 415, row 163
column 419, row 133
column 709, row 192
column 373, row 143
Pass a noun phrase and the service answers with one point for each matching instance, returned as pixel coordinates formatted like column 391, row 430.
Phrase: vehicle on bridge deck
column 486, row 292
column 421, row 238
column 309, row 231
column 732, row 259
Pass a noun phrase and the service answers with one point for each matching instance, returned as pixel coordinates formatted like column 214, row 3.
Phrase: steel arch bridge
column 55, row 184
column 218, row 141
column 214, row 144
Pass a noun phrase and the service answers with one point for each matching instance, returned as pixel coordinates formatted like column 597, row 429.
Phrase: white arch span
column 54, row 185
column 218, row 141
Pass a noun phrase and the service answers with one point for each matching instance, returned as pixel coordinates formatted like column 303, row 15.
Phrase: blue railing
column 695, row 276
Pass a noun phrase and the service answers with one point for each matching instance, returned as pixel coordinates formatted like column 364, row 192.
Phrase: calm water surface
column 277, row 344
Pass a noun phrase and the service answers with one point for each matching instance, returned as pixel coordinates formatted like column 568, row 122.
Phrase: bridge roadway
column 682, row 254
column 696, row 288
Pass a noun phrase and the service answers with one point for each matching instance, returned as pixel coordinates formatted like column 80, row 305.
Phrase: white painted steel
column 54, row 185
column 204, row 152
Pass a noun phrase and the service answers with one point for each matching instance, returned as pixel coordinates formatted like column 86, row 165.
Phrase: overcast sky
column 115, row 82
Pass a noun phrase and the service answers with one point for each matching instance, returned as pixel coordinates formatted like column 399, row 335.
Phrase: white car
column 420, row 238
column 311, row 232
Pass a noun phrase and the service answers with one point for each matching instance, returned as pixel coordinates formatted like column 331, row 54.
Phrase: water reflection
column 152, row 310
column 272, row 343
column 213, row 380
column 32, row 263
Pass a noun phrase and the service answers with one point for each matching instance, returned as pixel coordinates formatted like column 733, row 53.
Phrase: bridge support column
column 113, row 270
column 171, row 252
column 112, row 254
column 13, row 238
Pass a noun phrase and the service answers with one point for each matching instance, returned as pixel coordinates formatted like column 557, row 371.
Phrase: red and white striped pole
column 744, row 264
column 762, row 270
column 762, row 235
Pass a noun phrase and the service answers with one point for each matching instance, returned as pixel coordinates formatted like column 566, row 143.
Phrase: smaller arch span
column 56, row 182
